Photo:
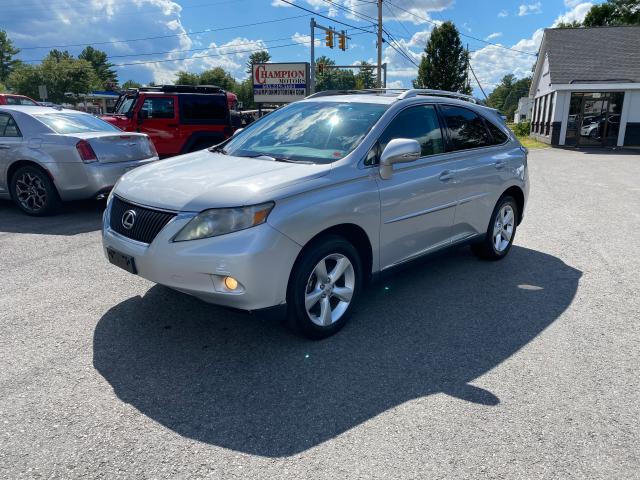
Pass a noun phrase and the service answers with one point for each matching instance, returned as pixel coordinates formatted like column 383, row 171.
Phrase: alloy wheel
column 329, row 290
column 503, row 228
column 31, row 192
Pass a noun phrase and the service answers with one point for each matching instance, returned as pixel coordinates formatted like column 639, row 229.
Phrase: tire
column 504, row 222
column 318, row 321
column 33, row 191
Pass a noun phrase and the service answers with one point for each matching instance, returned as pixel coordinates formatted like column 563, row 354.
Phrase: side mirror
column 398, row 150
column 238, row 130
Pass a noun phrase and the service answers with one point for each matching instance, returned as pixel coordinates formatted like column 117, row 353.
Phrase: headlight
column 219, row 221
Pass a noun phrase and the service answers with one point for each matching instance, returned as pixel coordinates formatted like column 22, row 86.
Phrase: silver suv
column 300, row 209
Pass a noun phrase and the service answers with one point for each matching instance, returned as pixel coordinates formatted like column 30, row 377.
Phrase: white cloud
column 578, row 11
column 305, row 40
column 528, row 9
column 414, row 11
column 97, row 21
column 493, row 36
column 492, row 62
column 503, row 13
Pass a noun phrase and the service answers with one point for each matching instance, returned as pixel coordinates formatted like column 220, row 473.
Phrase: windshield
column 125, row 105
column 75, row 123
column 319, row 132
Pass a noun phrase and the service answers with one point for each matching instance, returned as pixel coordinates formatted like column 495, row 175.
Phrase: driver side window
column 417, row 123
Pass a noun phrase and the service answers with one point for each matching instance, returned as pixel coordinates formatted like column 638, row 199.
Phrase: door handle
column 4, row 147
column 500, row 164
column 446, row 176
column 172, row 124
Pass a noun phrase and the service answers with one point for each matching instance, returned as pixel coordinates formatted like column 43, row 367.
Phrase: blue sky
column 226, row 35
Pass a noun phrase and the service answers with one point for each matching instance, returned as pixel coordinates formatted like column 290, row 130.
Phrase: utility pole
column 379, row 43
column 312, row 71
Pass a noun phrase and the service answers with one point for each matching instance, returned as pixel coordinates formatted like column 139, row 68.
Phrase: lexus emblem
column 128, row 219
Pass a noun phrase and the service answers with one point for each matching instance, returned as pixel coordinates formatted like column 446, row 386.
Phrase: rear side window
column 466, row 128
column 499, row 137
column 158, row 107
column 204, row 108
column 8, row 126
column 417, row 123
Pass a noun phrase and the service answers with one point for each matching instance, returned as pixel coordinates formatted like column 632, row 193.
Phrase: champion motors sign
column 280, row 82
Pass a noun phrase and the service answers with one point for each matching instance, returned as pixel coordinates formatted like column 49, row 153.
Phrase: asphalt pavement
column 454, row 368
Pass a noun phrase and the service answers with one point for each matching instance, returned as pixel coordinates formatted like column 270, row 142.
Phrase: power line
column 463, row 34
column 325, row 17
column 208, row 30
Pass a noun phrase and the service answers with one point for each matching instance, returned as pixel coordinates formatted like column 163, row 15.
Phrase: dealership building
column 586, row 87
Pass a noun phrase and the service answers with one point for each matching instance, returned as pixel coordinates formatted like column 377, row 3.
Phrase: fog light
column 231, row 283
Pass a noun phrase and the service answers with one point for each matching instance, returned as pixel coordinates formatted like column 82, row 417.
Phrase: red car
column 178, row 118
column 11, row 99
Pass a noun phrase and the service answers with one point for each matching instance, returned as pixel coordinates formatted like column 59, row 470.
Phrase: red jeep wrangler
column 178, row 118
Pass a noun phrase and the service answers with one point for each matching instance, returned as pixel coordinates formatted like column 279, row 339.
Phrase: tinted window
column 466, row 128
column 498, row 135
column 417, row 123
column 204, row 107
column 8, row 127
column 75, row 123
column 158, row 107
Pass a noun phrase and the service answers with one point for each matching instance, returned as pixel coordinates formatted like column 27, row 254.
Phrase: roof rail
column 414, row 92
column 182, row 89
column 327, row 93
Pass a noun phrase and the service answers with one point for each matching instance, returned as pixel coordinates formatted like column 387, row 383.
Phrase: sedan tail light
column 86, row 152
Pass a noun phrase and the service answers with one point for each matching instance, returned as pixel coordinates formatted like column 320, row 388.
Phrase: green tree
column 444, row 63
column 614, row 12
column 187, row 78
column 130, row 84
column 506, row 95
column 325, row 77
column 7, row 53
column 216, row 76
column 257, row 57
column 2, row 88
column 60, row 72
column 365, row 77
column 219, row 77
column 105, row 74
column 244, row 90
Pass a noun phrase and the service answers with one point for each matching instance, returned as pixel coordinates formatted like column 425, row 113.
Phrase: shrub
column 522, row 129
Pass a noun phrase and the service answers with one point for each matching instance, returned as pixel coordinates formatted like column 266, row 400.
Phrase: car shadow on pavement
column 231, row 380
column 73, row 218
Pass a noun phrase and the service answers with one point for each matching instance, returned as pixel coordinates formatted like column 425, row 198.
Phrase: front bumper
column 260, row 258
column 78, row 181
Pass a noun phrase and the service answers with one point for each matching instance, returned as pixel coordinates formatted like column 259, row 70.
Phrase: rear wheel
column 323, row 287
column 33, row 191
column 501, row 231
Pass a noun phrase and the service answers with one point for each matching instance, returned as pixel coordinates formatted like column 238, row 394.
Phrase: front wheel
column 501, row 231
column 323, row 287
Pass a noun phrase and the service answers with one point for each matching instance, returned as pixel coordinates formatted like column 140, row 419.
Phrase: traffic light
column 321, row 68
column 342, row 41
column 328, row 38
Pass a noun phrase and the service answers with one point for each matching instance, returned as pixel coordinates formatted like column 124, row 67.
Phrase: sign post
column 42, row 91
column 280, row 82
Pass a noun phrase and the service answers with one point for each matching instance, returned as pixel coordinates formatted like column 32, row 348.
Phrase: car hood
column 203, row 179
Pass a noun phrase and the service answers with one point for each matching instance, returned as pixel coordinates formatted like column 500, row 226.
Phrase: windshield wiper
column 218, row 149
column 276, row 159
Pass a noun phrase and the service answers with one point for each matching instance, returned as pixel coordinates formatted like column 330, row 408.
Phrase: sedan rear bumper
column 77, row 181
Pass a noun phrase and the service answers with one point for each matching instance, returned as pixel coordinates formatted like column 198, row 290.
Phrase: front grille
column 146, row 225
